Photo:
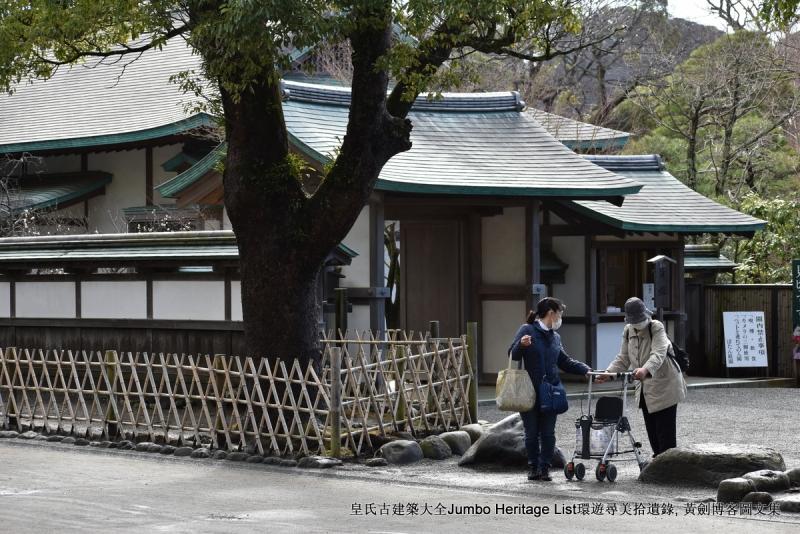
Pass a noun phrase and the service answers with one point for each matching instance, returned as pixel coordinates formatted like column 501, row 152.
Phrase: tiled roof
column 467, row 144
column 579, row 135
column 101, row 103
column 38, row 192
column 706, row 257
column 664, row 204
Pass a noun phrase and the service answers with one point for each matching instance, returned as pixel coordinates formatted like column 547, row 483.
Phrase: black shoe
column 534, row 474
column 544, row 474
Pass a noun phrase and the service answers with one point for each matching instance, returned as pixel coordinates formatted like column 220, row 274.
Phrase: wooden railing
column 363, row 388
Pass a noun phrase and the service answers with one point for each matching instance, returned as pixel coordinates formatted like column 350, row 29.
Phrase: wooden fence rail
column 363, row 388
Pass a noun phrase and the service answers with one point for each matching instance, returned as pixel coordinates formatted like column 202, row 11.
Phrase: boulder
column 124, row 445
column 202, row 452
column 734, row 489
column 55, row 438
column 219, row 455
column 40, row 437
column 376, row 462
column 30, row 434
column 143, row 446
column 271, row 460
column 254, row 459
column 401, row 452
column 788, row 503
column 81, row 442
column 708, row 464
column 474, row 430
column 503, row 443
column 794, row 476
column 8, row 434
column 184, row 451
column 318, row 462
column 167, row 449
column 758, row 497
column 435, row 448
column 459, row 441
column 769, row 481
column 237, row 456
column 288, row 462
column 153, row 447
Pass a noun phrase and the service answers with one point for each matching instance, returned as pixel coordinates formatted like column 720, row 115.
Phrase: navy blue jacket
column 547, row 344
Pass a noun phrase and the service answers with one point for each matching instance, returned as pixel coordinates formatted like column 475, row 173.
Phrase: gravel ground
column 767, row 417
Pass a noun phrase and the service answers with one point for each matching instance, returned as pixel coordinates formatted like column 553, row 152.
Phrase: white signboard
column 649, row 296
column 745, row 339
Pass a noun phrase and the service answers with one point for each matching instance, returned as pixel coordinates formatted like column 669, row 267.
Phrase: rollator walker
column 597, row 436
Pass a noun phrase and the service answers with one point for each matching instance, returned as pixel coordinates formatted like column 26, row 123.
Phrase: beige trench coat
column 665, row 386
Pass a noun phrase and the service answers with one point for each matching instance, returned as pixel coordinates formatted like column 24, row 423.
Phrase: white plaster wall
column 503, row 247
column 189, row 300
column 573, row 337
column 114, row 300
column 501, row 320
column 357, row 273
column 358, row 319
column 573, row 291
column 609, row 340
column 127, row 188
column 236, row 300
column 46, row 299
column 5, row 299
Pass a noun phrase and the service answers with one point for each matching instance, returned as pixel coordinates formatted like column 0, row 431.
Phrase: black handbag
column 552, row 397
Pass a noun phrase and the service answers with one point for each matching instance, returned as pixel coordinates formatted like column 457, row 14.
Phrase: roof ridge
column 340, row 96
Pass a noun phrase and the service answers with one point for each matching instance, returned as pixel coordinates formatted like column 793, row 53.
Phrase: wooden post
column 219, row 381
column 400, row 415
column 341, row 311
column 433, row 346
column 472, row 353
column 336, row 402
column 12, row 413
column 433, row 327
column 112, row 425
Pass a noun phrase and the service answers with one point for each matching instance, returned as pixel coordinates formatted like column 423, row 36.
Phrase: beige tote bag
column 514, row 391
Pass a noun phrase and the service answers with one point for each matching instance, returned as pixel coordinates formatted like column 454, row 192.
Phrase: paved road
column 61, row 488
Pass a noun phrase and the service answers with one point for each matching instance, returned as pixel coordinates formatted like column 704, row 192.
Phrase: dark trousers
column 660, row 427
column 539, row 427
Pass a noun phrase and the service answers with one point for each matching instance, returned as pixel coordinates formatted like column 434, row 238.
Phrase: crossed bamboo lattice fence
column 236, row 403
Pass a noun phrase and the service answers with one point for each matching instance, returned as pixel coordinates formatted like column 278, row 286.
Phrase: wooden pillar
column 536, row 243
column 680, row 294
column 590, row 265
column 377, row 305
column 148, row 176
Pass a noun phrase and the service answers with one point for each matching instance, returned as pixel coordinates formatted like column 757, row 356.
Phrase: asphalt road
column 61, row 488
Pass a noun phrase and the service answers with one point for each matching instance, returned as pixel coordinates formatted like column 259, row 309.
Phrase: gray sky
column 694, row 10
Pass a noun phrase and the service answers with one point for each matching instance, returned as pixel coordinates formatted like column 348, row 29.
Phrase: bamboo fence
column 363, row 389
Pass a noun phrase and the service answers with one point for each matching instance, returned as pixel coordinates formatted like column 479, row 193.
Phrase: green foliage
column 767, row 257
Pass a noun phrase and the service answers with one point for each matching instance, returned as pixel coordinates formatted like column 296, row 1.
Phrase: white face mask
column 642, row 325
column 557, row 324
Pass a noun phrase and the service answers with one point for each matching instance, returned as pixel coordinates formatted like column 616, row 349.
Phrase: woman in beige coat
column 660, row 385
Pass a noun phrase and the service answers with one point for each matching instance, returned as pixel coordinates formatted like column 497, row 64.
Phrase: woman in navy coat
column 537, row 343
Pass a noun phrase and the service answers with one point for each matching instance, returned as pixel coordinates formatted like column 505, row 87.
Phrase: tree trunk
column 691, row 150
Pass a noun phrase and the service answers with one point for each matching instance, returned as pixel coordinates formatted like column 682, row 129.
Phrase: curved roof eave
column 190, row 123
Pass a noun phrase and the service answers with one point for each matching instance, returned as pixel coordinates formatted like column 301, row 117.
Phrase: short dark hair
column 543, row 306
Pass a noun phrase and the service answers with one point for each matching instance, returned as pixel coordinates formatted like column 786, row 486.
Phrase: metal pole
column 336, row 402
column 472, row 352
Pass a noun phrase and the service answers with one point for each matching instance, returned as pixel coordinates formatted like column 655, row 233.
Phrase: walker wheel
column 600, row 471
column 569, row 470
column 611, row 472
column 580, row 471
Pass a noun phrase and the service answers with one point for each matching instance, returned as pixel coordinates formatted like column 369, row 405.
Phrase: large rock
column 734, row 489
column 435, row 448
column 708, row 464
column 458, row 441
column 318, row 462
column 788, row 503
column 503, row 443
column 474, row 430
column 794, row 476
column 769, row 481
column 401, row 452
column 758, row 497
column 8, row 434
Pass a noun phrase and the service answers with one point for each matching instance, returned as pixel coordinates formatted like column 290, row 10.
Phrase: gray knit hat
column 636, row 311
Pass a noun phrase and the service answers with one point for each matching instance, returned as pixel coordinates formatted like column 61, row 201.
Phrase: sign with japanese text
column 745, row 339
